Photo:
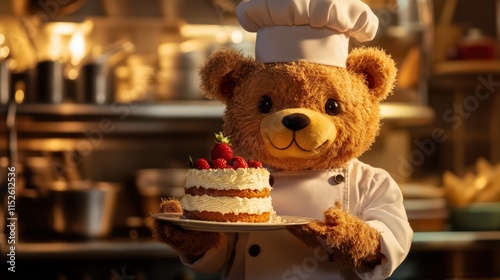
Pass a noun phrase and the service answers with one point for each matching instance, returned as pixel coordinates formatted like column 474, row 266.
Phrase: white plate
column 210, row 226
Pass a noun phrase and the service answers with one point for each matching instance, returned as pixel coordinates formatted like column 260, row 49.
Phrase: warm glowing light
column 236, row 37
column 87, row 26
column 167, row 49
column 55, row 47
column 72, row 74
column 2, row 39
column 189, row 46
column 64, row 28
column 19, row 93
column 221, row 37
column 19, row 96
column 4, row 52
column 77, row 47
column 128, row 47
column 12, row 64
column 199, row 30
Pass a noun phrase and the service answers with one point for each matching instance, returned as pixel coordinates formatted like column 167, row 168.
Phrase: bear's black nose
column 296, row 121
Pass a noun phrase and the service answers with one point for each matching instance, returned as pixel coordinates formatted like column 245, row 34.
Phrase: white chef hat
column 313, row 30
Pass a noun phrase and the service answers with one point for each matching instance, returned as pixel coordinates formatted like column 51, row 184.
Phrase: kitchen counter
column 123, row 258
column 146, row 247
column 454, row 239
column 138, row 248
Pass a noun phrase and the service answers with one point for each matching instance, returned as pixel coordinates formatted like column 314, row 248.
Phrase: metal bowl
column 82, row 210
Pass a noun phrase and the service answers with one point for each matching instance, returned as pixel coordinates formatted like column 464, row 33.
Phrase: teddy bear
column 307, row 108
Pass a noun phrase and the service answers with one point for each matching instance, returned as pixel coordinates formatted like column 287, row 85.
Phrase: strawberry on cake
column 227, row 188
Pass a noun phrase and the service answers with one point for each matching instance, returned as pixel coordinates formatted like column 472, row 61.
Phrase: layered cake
column 227, row 188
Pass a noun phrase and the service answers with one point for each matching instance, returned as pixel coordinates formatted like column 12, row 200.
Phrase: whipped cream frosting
column 229, row 179
column 226, row 204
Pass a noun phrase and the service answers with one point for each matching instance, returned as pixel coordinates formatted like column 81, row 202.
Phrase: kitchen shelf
column 171, row 109
column 50, row 127
column 90, row 249
column 452, row 240
column 459, row 67
column 464, row 75
column 398, row 114
column 404, row 114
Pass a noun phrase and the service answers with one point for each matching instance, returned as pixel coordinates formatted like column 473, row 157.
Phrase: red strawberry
column 238, row 162
column 219, row 163
column 254, row 164
column 201, row 163
column 222, row 148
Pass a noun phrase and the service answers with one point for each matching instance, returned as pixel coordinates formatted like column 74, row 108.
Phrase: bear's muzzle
column 297, row 133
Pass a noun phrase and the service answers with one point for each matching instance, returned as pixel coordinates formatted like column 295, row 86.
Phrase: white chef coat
column 366, row 192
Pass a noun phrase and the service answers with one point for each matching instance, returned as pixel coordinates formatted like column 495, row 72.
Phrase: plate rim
column 213, row 226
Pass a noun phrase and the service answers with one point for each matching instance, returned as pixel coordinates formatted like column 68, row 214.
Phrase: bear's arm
column 382, row 208
column 214, row 260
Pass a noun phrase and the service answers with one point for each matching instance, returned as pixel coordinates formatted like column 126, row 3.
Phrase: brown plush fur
column 191, row 244
column 345, row 237
column 329, row 141
column 304, row 87
column 240, row 82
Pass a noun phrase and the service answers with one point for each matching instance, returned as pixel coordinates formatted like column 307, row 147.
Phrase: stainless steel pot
column 82, row 209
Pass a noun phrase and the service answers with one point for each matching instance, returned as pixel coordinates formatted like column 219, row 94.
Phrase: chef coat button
column 339, row 178
column 254, row 250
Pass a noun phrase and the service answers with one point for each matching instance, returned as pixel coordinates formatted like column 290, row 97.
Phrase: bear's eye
column 265, row 104
column 332, row 107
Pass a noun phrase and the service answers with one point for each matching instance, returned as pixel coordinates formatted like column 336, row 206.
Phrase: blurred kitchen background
column 100, row 109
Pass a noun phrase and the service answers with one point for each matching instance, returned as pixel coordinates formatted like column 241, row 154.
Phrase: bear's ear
column 378, row 69
column 222, row 72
